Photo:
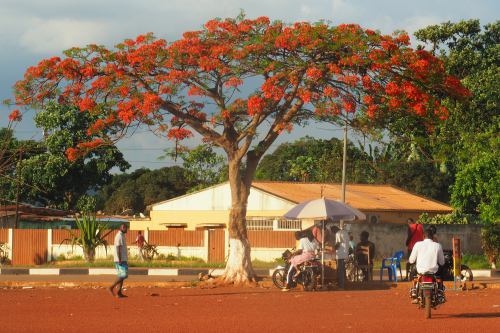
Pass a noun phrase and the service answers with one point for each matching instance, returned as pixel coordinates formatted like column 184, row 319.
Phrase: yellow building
column 268, row 201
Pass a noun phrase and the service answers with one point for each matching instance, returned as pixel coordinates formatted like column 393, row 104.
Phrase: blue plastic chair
column 392, row 264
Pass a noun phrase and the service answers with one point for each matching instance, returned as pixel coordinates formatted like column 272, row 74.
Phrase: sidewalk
column 159, row 277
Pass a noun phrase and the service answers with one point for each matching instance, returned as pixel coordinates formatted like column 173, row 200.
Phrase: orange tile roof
column 366, row 197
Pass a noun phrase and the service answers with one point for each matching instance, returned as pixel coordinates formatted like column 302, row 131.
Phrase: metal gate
column 216, row 245
column 29, row 246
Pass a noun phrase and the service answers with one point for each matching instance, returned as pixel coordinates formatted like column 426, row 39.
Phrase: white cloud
column 55, row 35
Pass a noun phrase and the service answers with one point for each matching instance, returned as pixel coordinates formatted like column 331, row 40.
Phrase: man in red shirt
column 140, row 240
column 415, row 234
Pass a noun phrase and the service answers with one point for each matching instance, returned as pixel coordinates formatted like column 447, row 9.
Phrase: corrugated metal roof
column 366, row 197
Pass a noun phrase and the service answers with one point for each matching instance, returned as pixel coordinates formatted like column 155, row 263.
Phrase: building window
column 272, row 223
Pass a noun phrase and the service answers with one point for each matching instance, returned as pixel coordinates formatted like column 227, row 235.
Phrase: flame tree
column 239, row 83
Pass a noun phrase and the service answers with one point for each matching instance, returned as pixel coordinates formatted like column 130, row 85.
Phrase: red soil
column 241, row 310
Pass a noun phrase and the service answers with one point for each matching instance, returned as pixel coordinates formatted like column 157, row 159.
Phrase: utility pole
column 344, row 167
column 344, row 162
column 18, row 172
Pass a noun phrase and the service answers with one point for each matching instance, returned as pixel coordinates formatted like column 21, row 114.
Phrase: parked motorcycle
column 309, row 272
column 428, row 293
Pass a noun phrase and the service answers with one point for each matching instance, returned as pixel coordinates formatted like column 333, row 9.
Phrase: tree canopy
column 196, row 84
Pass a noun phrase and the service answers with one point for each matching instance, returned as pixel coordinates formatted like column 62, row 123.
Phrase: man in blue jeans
column 120, row 258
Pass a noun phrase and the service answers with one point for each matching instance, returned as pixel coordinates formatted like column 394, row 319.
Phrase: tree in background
column 132, row 193
column 467, row 142
column 316, row 160
column 204, row 165
column 195, row 84
column 63, row 182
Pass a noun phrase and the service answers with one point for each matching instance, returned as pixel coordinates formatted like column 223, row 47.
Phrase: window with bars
column 272, row 223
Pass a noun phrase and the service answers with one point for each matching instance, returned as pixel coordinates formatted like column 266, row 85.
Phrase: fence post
column 205, row 244
column 10, row 243
column 146, row 235
column 49, row 245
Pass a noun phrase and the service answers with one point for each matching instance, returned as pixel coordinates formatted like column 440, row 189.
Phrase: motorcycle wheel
column 279, row 277
column 308, row 280
column 427, row 307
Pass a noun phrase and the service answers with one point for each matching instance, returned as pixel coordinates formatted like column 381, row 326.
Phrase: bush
column 490, row 239
column 453, row 218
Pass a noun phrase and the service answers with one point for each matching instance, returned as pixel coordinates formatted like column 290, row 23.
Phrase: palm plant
column 92, row 235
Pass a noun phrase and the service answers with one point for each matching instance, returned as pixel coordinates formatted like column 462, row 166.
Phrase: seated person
column 307, row 251
column 361, row 255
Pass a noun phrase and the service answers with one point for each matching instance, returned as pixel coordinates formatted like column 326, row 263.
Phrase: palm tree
column 92, row 235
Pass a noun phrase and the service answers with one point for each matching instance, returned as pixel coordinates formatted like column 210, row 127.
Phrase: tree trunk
column 239, row 268
column 89, row 254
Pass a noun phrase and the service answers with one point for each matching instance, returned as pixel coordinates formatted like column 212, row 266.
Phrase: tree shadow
column 467, row 315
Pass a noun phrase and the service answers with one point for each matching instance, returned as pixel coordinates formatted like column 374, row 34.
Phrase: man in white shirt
column 428, row 255
column 120, row 258
column 341, row 253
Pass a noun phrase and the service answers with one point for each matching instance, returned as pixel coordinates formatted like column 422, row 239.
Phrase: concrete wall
column 389, row 238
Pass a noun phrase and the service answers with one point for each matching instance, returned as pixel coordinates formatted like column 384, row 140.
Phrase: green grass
column 475, row 261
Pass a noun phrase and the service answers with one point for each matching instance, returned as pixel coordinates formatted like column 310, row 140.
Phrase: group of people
column 310, row 242
column 423, row 250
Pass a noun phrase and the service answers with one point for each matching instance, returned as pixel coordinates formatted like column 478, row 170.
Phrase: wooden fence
column 35, row 246
column 272, row 239
column 176, row 237
column 4, row 235
column 30, row 246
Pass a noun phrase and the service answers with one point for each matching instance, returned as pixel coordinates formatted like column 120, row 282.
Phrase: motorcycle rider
column 428, row 256
column 308, row 246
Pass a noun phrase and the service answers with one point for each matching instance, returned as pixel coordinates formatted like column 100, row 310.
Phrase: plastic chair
column 392, row 264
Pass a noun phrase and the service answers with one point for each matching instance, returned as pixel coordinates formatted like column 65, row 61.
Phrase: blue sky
column 34, row 29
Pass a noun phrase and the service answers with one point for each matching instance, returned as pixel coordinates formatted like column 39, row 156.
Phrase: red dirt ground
column 241, row 310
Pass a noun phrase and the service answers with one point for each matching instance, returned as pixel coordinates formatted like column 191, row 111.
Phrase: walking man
column 140, row 240
column 121, row 258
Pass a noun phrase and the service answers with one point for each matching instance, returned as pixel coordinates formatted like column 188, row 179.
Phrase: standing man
column 140, row 240
column 341, row 253
column 121, row 259
column 415, row 234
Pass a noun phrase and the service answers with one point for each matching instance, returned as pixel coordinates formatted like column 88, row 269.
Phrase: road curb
column 111, row 271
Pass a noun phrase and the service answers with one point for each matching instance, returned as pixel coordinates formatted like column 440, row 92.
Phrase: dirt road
column 241, row 310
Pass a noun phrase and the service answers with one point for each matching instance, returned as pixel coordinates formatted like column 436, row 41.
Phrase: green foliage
column 91, row 235
column 476, row 261
column 86, row 204
column 205, row 167
column 477, row 184
column 453, row 218
column 52, row 179
column 490, row 237
column 319, row 160
column 143, row 187
column 467, row 142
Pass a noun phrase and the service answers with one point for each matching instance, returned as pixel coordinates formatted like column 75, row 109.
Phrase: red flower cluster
column 255, row 105
column 15, row 115
column 179, row 134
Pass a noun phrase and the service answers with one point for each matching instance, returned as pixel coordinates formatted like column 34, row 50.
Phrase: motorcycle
column 308, row 275
column 428, row 292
